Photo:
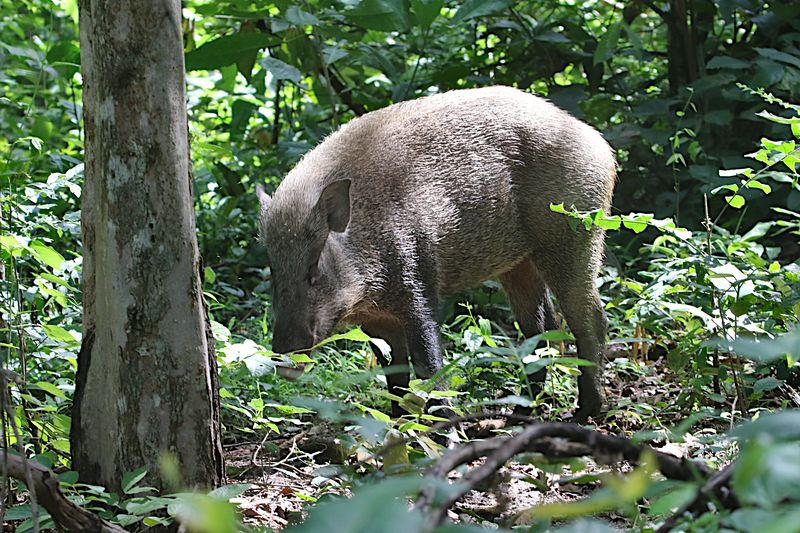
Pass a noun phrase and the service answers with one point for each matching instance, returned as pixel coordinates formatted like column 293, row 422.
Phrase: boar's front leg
column 397, row 369
column 422, row 334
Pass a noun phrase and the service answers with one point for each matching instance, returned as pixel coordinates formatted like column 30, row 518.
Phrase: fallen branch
column 64, row 512
column 553, row 439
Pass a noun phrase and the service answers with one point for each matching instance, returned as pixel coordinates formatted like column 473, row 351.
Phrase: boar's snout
column 287, row 339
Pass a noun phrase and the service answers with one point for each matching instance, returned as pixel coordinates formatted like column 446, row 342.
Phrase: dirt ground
column 287, row 479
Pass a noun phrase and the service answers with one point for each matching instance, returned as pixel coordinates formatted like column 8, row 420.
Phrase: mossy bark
column 147, row 383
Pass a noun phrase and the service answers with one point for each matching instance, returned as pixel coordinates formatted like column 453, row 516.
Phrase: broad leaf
column 281, row 70
column 381, row 15
column 762, row 349
column 478, row 8
column 426, row 11
column 227, row 50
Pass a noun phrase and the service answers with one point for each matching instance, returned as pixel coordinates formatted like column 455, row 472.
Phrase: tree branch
column 552, row 439
column 64, row 512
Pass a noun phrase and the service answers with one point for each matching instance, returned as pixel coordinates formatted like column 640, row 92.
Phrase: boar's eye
column 313, row 274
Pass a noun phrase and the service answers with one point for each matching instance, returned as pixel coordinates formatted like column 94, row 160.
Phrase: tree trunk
column 147, row 383
column 688, row 23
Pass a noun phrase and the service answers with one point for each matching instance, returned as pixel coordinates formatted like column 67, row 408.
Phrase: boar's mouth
column 291, row 372
column 300, row 344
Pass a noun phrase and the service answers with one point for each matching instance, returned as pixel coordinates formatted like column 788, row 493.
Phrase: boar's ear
column 335, row 204
column 263, row 199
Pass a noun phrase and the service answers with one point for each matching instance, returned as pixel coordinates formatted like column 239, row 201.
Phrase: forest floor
column 295, row 470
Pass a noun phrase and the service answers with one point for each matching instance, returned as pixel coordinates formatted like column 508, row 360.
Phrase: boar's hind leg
column 570, row 271
column 530, row 302
column 397, row 369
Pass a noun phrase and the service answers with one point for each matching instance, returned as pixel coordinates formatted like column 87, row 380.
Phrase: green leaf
column 151, row 521
column 70, row 477
column 730, row 187
column 298, row 17
column 70, row 7
column 767, row 473
column 426, row 11
column 36, row 142
column 377, row 415
column 281, row 70
column 674, row 499
column 777, row 55
column 355, row 334
column 227, row 50
column 58, row 334
column 46, row 255
column 609, row 223
column 762, row 349
column 374, row 507
column 771, row 427
column 226, row 492
column 736, row 201
column 50, row 388
column 55, row 279
column 755, row 184
column 381, row 15
column 130, row 479
column 758, row 231
column 726, row 62
column 607, row 45
column 478, row 8
column 636, row 223
column 18, row 512
column 395, row 449
column 766, row 384
column 331, row 54
column 776, row 118
column 301, row 358
column 544, row 362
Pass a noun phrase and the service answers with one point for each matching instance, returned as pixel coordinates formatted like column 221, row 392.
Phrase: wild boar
column 421, row 199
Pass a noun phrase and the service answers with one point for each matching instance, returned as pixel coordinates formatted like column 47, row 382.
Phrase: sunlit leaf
column 59, row 334
column 736, row 201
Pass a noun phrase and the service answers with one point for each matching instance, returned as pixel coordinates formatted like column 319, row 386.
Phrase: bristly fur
column 444, row 192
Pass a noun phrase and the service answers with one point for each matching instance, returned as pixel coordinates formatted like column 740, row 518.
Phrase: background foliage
column 671, row 85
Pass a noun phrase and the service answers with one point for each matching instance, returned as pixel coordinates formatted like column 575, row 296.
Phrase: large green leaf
column 382, row 15
column 281, row 70
column 762, row 349
column 426, row 11
column 227, row 50
column 47, row 255
column 377, row 507
column 777, row 55
column 773, row 427
column 478, row 8
column 608, row 43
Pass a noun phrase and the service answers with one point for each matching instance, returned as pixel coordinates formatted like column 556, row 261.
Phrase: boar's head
column 314, row 282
